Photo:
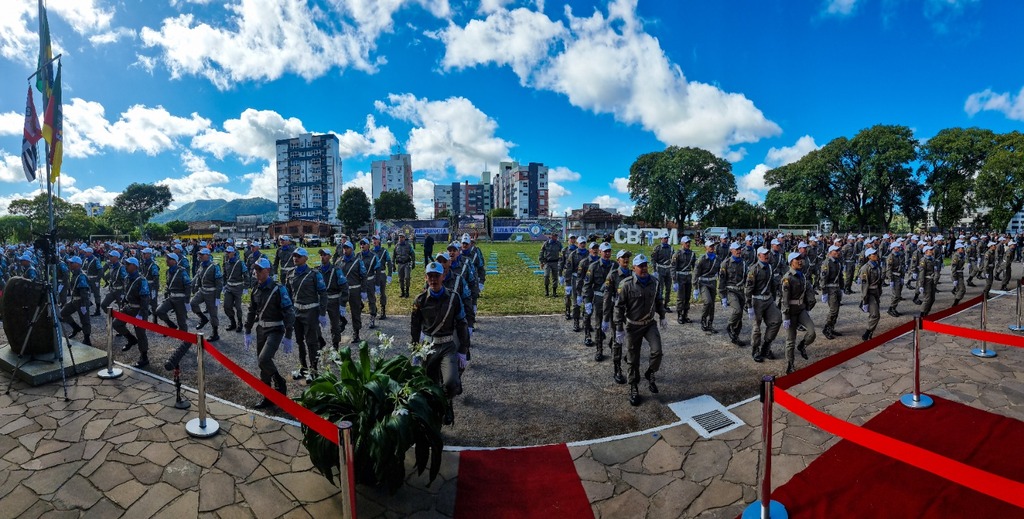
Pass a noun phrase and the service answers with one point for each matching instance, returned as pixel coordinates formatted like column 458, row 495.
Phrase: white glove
column 365, row 296
column 604, row 326
column 416, row 361
column 725, row 302
column 389, row 280
column 913, row 277
column 481, row 287
column 248, row 341
column 857, row 281
column 341, row 310
column 920, row 290
column 323, row 320
column 589, row 308
column 568, row 290
column 139, row 317
column 84, row 310
column 462, row 361
column 470, row 329
column 60, row 288
column 956, row 282
column 561, row 280
column 216, row 303
column 824, row 298
column 188, row 307
column 376, row 290
column 579, row 300
column 696, row 294
column 620, row 337
column 864, row 308
column 785, row 324
column 663, row 323
column 750, row 312
column 287, row 343
column 245, row 291
column 675, row 287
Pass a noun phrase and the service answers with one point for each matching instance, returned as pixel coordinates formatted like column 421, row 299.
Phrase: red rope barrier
column 181, row 335
column 970, row 333
column 942, row 314
column 307, row 417
column 992, row 485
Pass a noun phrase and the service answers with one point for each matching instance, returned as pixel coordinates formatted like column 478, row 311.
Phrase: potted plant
column 393, row 407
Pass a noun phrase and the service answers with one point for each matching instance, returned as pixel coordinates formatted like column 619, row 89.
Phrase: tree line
column 882, row 178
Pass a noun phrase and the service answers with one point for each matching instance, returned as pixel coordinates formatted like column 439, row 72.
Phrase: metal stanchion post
column 201, row 427
column 917, row 400
column 110, row 371
column 983, row 351
column 346, row 470
column 179, row 403
column 766, row 508
column 1020, row 294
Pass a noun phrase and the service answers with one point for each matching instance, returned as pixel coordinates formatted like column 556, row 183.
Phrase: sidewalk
column 119, row 448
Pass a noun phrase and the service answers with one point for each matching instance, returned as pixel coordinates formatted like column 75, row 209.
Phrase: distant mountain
column 219, row 210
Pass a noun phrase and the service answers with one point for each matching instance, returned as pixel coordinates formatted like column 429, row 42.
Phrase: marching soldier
column 956, row 266
column 760, row 291
column 175, row 294
column 439, row 318
column 80, row 292
column 639, row 301
column 749, row 251
column 593, row 294
column 870, row 290
column 308, row 292
column 973, row 260
column 572, row 276
column 1006, row 267
column 813, row 260
column 704, row 278
column 251, row 258
column 797, row 300
column 93, row 267
column 848, row 253
column 115, row 278
column 988, row 266
column 550, row 256
column 382, row 278
column 475, row 258
column 337, row 295
column 683, row 262
column 135, row 302
column 370, row 288
column 777, row 257
column 915, row 269
column 928, row 276
column 152, row 272
column 352, row 268
column 272, row 313
column 611, row 298
column 580, row 288
column 206, row 290
column 405, row 259
column 895, row 269
column 661, row 256
column 236, row 283
column 283, row 258
column 565, row 265
column 463, row 273
column 731, row 277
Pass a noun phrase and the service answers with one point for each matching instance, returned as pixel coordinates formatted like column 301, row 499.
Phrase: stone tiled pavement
column 118, row 448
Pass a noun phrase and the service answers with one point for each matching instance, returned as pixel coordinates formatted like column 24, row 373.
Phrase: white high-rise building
column 524, row 189
column 394, row 174
column 308, row 178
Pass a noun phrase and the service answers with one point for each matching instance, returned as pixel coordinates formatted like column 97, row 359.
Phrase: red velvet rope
column 978, row 335
column 974, row 478
column 181, row 335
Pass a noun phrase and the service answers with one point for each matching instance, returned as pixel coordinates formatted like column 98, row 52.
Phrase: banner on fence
column 537, row 229
column 419, row 228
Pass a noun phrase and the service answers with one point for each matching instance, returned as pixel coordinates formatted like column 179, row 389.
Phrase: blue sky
column 193, row 93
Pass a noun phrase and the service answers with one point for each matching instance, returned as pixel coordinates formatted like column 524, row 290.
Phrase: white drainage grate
column 706, row 415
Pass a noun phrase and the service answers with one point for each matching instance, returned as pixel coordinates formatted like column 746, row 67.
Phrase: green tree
column 442, row 214
column 949, row 162
column 156, row 231
column 15, row 228
column 394, row 205
column 1000, row 184
column 37, row 210
column 76, row 225
column 177, row 226
column 680, row 183
column 116, row 221
column 741, row 214
column 140, row 202
column 354, row 209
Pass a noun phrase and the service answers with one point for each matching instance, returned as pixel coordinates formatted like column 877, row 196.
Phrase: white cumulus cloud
column 555, row 194
column 607, row 201
column 361, row 180
column 1012, row 106
column 609, row 64
column 620, row 184
column 252, row 136
column 840, row 7
column 201, row 183
column 563, row 174
column 752, row 186
column 423, row 197
column 448, row 134
column 139, row 128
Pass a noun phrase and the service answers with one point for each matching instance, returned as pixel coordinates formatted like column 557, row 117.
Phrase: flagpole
column 44, row 65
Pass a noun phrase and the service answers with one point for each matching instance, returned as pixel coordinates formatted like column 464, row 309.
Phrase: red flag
column 32, row 131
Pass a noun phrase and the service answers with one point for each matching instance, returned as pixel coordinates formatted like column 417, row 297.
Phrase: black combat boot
column 231, row 326
column 790, row 367
column 383, row 314
column 679, row 318
column 170, row 325
column 86, row 341
column 634, row 395
column 132, row 341
column 892, row 311
column 449, row 413
column 97, row 312
column 576, row 326
column 202, row 320
column 617, row 373
column 599, row 355
column 802, row 348
column 834, row 332
column 74, row 329
column 686, row 318
column 650, row 382
column 956, row 302
column 756, row 353
column 264, row 402
column 355, row 337
column 215, row 337
column 588, row 341
column 344, row 323
column 143, row 361
column 279, row 384
column 866, row 335
column 766, row 351
column 373, row 322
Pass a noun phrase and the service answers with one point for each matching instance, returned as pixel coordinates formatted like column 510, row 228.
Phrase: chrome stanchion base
column 775, row 510
column 185, row 404
column 923, row 401
column 110, row 373
column 985, row 354
column 1015, row 328
column 193, row 428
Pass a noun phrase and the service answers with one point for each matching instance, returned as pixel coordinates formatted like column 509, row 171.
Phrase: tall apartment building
column 308, row 178
column 465, row 198
column 394, row 174
column 524, row 189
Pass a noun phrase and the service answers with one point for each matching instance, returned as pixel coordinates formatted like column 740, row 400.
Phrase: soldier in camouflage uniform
column 611, row 297
column 572, row 267
column 683, row 262
column 956, row 266
column 926, row 288
column 579, row 288
column 1006, row 267
column 797, row 301
column 848, row 253
column 550, row 257
column 732, row 275
column 593, row 294
column 661, row 257
column 405, row 260
column 639, row 302
column 760, row 290
column 870, row 290
column 567, row 261
column 895, row 269
column 705, row 274
column 350, row 265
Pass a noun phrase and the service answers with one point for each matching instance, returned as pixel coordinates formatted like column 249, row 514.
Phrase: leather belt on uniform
column 796, row 301
column 640, row 323
column 664, row 265
column 238, row 284
column 706, row 279
column 831, row 285
column 178, row 294
column 437, row 340
column 307, row 307
column 271, row 324
column 208, row 290
column 333, row 296
column 762, row 298
column 686, row 272
column 733, row 287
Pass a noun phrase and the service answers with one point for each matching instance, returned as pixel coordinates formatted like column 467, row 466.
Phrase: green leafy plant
column 393, row 407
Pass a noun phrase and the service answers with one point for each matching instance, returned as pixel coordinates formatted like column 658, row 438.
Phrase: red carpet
column 520, row 483
column 851, row 481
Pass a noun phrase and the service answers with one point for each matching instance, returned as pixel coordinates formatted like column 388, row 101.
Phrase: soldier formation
column 776, row 279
